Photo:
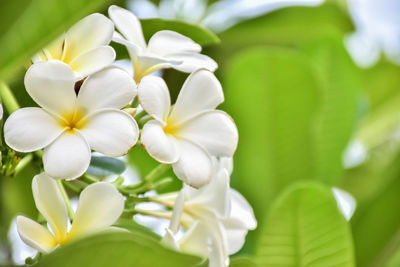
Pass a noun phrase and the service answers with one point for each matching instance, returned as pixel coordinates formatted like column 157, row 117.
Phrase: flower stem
column 8, row 98
column 157, row 214
column 156, row 172
column 66, row 200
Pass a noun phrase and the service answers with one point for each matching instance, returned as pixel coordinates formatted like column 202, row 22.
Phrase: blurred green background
column 309, row 119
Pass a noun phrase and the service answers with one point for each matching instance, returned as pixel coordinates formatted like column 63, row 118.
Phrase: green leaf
column 341, row 98
column 272, row 94
column 242, row 262
column 105, row 166
column 305, row 228
column 197, row 33
column 291, row 26
column 132, row 226
column 117, row 249
column 274, row 120
column 40, row 22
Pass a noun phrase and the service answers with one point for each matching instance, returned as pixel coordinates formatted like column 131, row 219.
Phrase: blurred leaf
column 272, row 96
column 39, row 22
column 197, row 33
column 376, row 222
column 305, row 228
column 274, row 120
column 242, row 262
column 291, row 26
column 341, row 90
column 105, row 166
column 117, row 249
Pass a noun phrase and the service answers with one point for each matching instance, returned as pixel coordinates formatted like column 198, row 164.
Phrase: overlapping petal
column 165, row 43
column 50, row 204
column 100, row 205
column 51, row 85
column 23, row 130
column 109, row 88
column 195, row 240
column 194, row 166
column 201, row 92
column 193, row 61
column 154, row 97
column 92, row 31
column 92, row 61
column 160, row 146
column 68, row 157
column 127, row 24
column 214, row 130
column 35, row 235
column 111, row 132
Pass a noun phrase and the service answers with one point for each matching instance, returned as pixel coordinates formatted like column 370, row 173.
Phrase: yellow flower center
column 170, row 128
column 73, row 121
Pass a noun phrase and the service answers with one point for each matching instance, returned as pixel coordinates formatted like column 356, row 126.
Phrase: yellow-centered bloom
column 100, row 205
column 69, row 124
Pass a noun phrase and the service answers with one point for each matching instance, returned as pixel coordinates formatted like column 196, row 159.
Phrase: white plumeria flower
column 84, row 47
column 67, row 125
column 100, row 205
column 166, row 49
column 218, row 219
column 192, row 131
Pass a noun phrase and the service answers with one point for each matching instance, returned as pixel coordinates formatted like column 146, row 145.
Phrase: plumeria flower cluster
column 85, row 104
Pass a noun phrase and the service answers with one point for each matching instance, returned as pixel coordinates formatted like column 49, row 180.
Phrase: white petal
column 194, row 166
column 100, row 205
column 30, row 129
column 50, row 203
column 164, row 43
column 193, row 61
column 242, row 214
column 35, row 235
column 111, row 132
column 219, row 245
column 169, row 240
column 149, row 63
column 68, row 157
column 214, row 197
column 92, row 61
column 201, row 91
column 133, row 49
column 1, row 112
column 108, row 88
column 236, row 239
column 51, row 85
column 241, row 220
column 159, row 145
column 90, row 32
column 55, row 49
column 127, row 24
column 195, row 240
column 214, row 130
column 226, row 163
column 154, row 97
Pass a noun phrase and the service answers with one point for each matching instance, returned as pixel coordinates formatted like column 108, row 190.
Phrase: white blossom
column 84, row 47
column 68, row 125
column 100, row 205
column 189, row 133
column 165, row 49
column 216, row 217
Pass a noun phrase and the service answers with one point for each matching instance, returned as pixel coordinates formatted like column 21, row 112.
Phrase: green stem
column 72, row 187
column 66, row 200
column 87, row 179
column 156, row 172
column 8, row 98
column 158, row 214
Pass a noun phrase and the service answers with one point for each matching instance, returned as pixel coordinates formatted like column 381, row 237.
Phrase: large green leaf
column 242, row 262
column 305, row 228
column 339, row 113
column 117, row 249
column 272, row 96
column 291, row 26
column 38, row 23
